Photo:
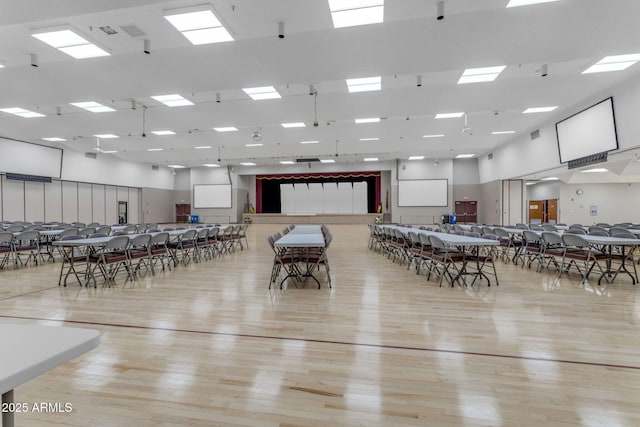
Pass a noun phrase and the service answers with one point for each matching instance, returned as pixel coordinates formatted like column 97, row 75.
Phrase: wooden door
column 183, row 212
column 460, row 211
column 536, row 211
column 552, row 211
column 472, row 211
column 466, row 211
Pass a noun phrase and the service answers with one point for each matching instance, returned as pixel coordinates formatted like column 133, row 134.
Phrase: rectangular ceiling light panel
column 534, row 110
column 198, row 26
column 173, row 100
column 366, row 84
column 449, row 115
column 70, row 42
column 21, row 112
column 350, row 13
column 480, row 75
column 613, row 63
column 263, row 92
column 516, row 3
column 93, row 107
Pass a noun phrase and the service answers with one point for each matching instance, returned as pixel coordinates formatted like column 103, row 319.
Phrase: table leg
column 7, row 416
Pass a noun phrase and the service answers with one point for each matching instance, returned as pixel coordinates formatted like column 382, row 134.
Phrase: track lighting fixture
column 281, row 30
column 34, row 60
column 544, row 72
column 419, row 81
column 147, row 46
column 440, row 12
column 218, row 97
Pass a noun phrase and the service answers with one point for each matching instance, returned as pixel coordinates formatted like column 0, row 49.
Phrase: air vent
column 535, row 134
column 90, row 155
column 490, row 156
column 589, row 160
column 132, row 30
column 155, row 167
column 313, row 159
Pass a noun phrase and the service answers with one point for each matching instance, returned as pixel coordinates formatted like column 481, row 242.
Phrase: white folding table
column 300, row 246
column 32, row 350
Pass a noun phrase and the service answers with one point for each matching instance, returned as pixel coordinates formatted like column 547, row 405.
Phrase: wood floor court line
column 345, row 343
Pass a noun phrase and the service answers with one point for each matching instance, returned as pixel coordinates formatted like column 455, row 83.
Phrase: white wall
column 107, row 169
column 421, row 169
column 522, row 156
column 66, row 201
column 220, row 175
column 543, row 191
column 615, row 203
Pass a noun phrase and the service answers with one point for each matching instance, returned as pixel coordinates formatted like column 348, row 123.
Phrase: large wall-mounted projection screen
column 588, row 132
column 423, row 192
column 212, row 196
column 30, row 159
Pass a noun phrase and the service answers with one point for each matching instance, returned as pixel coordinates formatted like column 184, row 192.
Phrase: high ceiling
column 567, row 35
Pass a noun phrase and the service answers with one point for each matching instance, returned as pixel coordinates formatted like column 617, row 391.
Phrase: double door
column 543, row 211
column 466, row 211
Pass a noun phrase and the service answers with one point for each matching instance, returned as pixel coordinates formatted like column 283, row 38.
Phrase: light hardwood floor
column 209, row 345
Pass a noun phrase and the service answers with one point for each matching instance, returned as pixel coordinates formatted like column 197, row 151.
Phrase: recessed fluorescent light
column 368, row 120
column 21, row 112
column 253, row 145
column 175, row 166
column 538, row 110
column 163, row 132
column 287, row 162
column 260, row 93
column 369, row 139
column 449, row 115
column 327, row 161
column 108, row 151
column 350, row 13
column 464, row 156
column 202, row 147
column 370, row 159
column 71, row 43
column 433, row 136
column 595, row 170
column 155, row 149
column 94, row 107
column 531, row 182
column 293, row 125
column 211, row 165
column 503, row 132
column 247, row 164
column 173, row 100
column 199, row 27
column 54, row 139
column 365, row 84
column 550, row 178
column 309, row 142
column 106, row 136
column 516, row 3
column 613, row 63
column 416, row 158
column 480, row 75
column 226, row 129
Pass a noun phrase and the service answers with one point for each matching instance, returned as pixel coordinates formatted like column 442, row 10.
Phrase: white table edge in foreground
column 50, row 346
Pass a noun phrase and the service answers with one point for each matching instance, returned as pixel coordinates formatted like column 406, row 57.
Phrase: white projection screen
column 423, row 192
column 212, row 196
column 588, row 132
column 30, row 159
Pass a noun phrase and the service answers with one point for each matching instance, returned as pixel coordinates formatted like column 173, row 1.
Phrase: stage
column 312, row 218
